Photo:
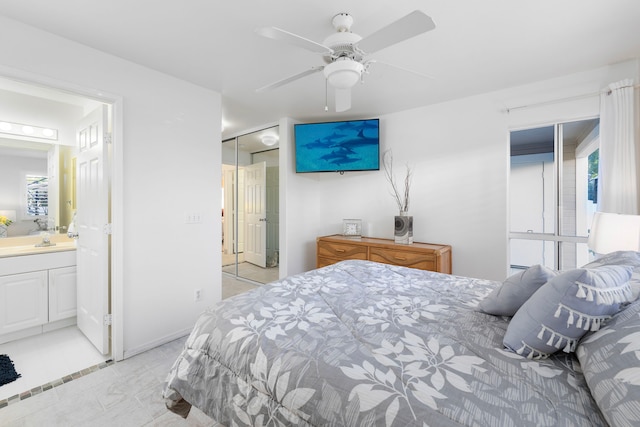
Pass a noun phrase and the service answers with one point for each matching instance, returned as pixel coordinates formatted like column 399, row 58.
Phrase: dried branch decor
column 402, row 199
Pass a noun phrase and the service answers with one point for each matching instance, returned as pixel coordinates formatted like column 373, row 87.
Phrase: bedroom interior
column 454, row 127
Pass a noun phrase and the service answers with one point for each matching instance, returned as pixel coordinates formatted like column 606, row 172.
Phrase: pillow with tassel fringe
column 630, row 258
column 565, row 308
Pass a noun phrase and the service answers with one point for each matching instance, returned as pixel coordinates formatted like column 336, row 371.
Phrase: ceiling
column 476, row 47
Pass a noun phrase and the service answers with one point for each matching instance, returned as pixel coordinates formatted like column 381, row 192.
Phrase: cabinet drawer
column 341, row 251
column 323, row 262
column 421, row 260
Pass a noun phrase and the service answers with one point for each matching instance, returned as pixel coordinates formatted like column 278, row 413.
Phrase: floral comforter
column 366, row 344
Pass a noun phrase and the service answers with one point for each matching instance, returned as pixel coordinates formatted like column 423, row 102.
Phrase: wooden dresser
column 425, row 256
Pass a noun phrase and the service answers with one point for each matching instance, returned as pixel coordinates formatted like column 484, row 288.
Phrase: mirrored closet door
column 250, row 201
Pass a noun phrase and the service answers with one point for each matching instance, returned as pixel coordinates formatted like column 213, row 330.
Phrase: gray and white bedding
column 366, row 344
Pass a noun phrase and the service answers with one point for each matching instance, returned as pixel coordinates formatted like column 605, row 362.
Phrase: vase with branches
column 403, row 231
column 399, row 193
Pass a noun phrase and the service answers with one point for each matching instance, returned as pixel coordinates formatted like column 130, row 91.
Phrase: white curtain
column 618, row 179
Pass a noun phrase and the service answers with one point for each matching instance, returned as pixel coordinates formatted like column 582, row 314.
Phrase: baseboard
column 47, row 327
column 24, row 333
column 37, row 330
column 156, row 343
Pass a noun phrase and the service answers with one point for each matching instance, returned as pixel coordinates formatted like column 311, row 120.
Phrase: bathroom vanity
column 37, row 286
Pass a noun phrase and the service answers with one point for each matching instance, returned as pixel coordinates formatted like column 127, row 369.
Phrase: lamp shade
column 614, row 232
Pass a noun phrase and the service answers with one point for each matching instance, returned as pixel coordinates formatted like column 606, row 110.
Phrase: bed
column 360, row 343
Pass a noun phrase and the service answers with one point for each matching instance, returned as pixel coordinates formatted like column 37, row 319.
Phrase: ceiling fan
column 347, row 54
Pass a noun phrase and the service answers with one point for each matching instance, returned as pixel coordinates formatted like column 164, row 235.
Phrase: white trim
column 547, row 237
column 248, row 131
column 117, row 230
column 117, row 187
column 156, row 343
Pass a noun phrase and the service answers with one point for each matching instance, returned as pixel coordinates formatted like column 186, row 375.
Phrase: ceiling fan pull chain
column 326, row 90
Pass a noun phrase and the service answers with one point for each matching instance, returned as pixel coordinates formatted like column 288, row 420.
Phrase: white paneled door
column 255, row 250
column 92, row 225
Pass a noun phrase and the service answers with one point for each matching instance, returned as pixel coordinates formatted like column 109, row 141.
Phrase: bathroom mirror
column 37, row 186
column 26, row 112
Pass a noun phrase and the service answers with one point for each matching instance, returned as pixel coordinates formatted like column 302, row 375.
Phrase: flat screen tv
column 338, row 146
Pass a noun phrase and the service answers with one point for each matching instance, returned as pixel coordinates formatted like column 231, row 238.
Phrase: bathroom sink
column 32, row 249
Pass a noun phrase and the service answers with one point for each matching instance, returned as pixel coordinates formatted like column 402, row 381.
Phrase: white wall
column 459, row 151
column 171, row 150
column 25, row 109
column 301, row 208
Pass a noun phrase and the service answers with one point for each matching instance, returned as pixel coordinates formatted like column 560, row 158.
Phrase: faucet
column 46, row 240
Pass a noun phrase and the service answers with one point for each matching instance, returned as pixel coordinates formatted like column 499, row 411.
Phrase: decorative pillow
column 610, row 361
column 565, row 308
column 508, row 298
column 630, row 258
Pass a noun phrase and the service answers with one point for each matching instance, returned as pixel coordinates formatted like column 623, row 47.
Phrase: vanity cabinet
column 24, row 301
column 37, row 294
column 424, row 256
column 62, row 293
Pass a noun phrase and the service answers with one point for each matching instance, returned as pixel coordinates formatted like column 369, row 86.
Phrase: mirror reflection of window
column 37, row 195
column 552, row 194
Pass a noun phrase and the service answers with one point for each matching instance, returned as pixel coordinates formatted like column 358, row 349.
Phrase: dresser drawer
column 425, row 256
column 419, row 260
column 341, row 251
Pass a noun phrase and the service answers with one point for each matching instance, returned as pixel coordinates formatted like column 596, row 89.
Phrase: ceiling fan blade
column 343, row 99
column 408, row 70
column 278, row 34
column 290, row 79
column 417, row 22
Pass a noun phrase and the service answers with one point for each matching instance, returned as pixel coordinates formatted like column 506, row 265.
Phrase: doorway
column 21, row 97
column 250, row 206
column 552, row 194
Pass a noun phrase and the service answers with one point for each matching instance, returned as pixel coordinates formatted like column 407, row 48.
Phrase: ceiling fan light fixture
column 269, row 140
column 343, row 73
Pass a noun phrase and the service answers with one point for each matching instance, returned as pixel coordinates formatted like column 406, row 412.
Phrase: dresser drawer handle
column 340, row 250
column 400, row 258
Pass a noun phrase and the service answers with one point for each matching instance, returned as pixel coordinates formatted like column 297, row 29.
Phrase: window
column 553, row 194
column 37, row 191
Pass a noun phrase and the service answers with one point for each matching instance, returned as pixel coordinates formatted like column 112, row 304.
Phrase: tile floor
column 126, row 393
column 45, row 358
column 253, row 272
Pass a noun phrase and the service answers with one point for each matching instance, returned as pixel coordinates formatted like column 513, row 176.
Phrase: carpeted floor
column 8, row 372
